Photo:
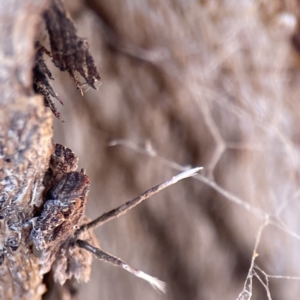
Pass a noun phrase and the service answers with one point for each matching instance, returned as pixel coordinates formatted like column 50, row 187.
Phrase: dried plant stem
column 132, row 203
column 104, row 256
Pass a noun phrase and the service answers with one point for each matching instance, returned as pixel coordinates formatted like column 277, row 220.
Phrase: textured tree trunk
column 211, row 83
column 25, row 147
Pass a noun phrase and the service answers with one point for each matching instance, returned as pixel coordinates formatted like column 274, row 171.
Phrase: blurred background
column 191, row 83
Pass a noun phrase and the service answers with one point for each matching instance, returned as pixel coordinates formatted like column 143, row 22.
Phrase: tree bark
column 25, row 147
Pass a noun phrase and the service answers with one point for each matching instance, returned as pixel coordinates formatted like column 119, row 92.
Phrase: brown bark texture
column 184, row 83
column 25, row 146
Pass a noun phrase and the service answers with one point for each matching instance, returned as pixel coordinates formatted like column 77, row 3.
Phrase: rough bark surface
column 25, row 146
column 212, row 83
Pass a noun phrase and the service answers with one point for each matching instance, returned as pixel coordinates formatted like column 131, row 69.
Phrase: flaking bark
column 25, row 147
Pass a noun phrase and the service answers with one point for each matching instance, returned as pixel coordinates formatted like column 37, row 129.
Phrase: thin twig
column 130, row 204
column 104, row 256
column 149, row 151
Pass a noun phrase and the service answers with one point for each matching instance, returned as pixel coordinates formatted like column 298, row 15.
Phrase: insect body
column 62, row 211
column 62, row 234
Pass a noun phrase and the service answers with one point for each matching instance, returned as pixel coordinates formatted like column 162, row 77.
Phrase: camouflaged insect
column 62, row 161
column 65, row 199
column 62, row 211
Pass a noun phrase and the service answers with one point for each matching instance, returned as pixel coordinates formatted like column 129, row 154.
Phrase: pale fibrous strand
column 104, row 256
column 132, row 203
